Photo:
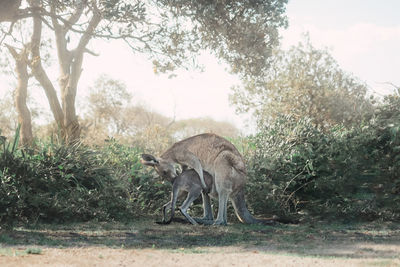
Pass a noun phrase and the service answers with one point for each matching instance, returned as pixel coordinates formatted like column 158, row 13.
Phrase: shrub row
column 351, row 174
column 294, row 168
column 58, row 183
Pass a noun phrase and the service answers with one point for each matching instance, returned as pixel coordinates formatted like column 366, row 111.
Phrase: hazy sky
column 363, row 36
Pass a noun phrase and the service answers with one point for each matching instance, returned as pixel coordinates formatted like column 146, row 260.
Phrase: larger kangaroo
column 217, row 156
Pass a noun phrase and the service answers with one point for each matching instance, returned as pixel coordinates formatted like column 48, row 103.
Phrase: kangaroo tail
column 243, row 213
column 245, row 216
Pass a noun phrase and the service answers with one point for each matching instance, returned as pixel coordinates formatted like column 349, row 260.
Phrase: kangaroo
column 188, row 181
column 218, row 157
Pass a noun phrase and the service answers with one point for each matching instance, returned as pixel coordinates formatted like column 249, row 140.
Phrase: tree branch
column 12, row 50
column 76, row 15
column 37, row 69
column 91, row 52
column 81, row 47
column 8, row 32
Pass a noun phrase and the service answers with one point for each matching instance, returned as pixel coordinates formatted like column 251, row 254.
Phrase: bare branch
column 8, row 32
column 88, row 34
column 76, row 67
column 76, row 15
column 13, row 51
column 54, row 19
column 91, row 52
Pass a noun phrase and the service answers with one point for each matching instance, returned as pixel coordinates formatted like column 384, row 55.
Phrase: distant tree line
column 108, row 113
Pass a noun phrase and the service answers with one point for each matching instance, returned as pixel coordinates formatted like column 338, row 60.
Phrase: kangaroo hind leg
column 192, row 196
column 208, row 218
column 223, row 197
column 164, row 211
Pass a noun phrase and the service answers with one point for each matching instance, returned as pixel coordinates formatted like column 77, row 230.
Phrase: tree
column 111, row 114
column 8, row 117
column 305, row 82
column 108, row 100
column 170, row 32
column 189, row 127
column 21, row 93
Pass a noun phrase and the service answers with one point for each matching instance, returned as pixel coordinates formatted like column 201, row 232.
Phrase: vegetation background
column 324, row 146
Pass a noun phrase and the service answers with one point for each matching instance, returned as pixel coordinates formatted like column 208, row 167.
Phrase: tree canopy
column 171, row 33
column 305, row 82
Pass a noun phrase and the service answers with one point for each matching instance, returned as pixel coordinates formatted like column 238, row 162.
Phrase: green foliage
column 293, row 168
column 146, row 192
column 243, row 33
column 305, row 82
column 342, row 173
column 58, row 183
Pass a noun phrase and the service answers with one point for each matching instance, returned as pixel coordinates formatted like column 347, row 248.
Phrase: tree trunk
column 70, row 63
column 24, row 114
column 21, row 92
column 41, row 75
column 70, row 72
column 73, row 129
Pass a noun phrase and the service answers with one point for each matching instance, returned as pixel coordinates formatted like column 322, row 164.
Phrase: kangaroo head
column 163, row 167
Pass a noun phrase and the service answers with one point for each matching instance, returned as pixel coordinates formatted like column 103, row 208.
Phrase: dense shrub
column 59, row 183
column 146, row 191
column 343, row 173
column 293, row 168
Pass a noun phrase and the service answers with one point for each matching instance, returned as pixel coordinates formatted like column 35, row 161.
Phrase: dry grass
column 144, row 242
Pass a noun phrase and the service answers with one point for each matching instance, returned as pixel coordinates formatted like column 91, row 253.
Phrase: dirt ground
column 147, row 244
column 231, row 256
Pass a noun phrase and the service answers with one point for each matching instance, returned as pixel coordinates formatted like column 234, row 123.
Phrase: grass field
column 145, row 242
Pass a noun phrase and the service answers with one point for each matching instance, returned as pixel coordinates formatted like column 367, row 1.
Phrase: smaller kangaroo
column 188, row 181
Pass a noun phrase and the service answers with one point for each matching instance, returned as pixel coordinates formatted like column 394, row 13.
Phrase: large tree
column 304, row 82
column 243, row 33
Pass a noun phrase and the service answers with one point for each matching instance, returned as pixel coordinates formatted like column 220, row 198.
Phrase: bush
column 293, row 168
column 341, row 173
column 58, row 183
column 146, row 192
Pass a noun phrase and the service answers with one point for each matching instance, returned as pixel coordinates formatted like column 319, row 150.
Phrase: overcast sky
column 362, row 35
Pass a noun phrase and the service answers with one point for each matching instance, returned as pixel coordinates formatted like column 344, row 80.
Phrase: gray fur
column 218, row 157
column 188, row 181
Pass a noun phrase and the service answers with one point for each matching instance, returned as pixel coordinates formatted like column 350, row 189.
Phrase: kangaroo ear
column 149, row 160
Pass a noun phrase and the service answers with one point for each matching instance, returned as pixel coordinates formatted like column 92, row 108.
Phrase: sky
column 362, row 35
